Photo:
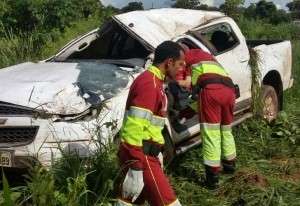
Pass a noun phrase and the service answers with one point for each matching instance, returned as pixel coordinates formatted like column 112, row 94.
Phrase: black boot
column 212, row 178
column 228, row 166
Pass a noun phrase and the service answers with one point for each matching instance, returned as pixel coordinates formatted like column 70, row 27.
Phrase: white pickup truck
column 76, row 98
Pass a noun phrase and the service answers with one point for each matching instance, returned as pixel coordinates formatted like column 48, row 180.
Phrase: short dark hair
column 166, row 50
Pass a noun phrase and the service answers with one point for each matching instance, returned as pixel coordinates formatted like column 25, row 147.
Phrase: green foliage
column 267, row 11
column 29, row 15
column 186, row 4
column 193, row 4
column 260, row 29
column 6, row 192
column 231, row 8
column 41, row 187
column 254, row 64
column 133, row 6
column 73, row 181
column 294, row 8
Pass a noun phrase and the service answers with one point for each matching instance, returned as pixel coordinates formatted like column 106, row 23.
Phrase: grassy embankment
column 268, row 155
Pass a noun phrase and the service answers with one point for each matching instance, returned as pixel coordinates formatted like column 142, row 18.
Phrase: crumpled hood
column 60, row 88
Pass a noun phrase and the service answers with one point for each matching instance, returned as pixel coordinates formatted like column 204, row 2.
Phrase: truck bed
column 254, row 43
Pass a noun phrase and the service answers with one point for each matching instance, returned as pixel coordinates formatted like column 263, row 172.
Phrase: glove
column 133, row 184
column 161, row 160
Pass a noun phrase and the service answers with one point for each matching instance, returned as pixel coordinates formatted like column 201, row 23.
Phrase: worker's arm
column 185, row 83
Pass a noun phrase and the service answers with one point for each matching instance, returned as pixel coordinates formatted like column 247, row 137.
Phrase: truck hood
column 61, row 88
column 158, row 25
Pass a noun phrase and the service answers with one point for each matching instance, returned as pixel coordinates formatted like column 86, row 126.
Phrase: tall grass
column 72, row 181
column 22, row 47
column 260, row 29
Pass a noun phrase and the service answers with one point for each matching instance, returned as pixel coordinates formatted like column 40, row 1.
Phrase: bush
column 260, row 29
column 25, row 16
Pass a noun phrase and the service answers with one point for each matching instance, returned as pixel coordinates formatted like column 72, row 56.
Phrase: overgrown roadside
column 268, row 156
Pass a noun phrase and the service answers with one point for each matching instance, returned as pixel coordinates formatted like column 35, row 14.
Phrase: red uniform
column 146, row 110
column 215, row 107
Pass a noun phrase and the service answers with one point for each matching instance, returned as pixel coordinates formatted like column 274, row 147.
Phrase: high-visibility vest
column 146, row 109
column 206, row 67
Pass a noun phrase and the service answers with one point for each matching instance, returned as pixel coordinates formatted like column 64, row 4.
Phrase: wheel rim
column 270, row 108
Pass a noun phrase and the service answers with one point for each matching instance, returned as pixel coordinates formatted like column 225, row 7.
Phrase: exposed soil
column 252, row 178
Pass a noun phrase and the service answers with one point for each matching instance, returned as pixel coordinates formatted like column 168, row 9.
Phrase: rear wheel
column 270, row 103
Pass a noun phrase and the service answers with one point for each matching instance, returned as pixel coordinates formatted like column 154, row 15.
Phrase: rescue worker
column 141, row 134
column 216, row 98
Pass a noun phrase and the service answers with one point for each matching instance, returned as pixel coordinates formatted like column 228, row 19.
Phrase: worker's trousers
column 157, row 190
column 215, row 106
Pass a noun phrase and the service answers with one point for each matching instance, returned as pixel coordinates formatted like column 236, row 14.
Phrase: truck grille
column 18, row 134
column 11, row 110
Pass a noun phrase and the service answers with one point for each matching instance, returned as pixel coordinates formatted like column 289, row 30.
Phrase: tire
column 270, row 103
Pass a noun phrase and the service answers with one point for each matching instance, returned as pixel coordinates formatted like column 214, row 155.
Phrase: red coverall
column 215, row 107
column 146, row 108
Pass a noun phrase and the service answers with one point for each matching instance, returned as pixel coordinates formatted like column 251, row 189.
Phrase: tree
column 193, row 4
column 294, row 8
column 250, row 11
column 232, row 8
column 207, row 8
column 265, row 9
column 132, row 6
column 187, row 4
column 280, row 16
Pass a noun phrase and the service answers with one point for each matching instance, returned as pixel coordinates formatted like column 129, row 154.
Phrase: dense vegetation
column 268, row 154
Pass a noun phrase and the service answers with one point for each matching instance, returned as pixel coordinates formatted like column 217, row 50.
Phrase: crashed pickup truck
column 76, row 98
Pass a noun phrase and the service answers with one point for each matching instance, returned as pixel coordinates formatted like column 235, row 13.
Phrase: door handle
column 82, row 46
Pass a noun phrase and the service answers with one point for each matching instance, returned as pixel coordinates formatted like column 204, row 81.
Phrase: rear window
column 221, row 38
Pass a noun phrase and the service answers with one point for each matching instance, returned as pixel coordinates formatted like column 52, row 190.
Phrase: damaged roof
column 158, row 25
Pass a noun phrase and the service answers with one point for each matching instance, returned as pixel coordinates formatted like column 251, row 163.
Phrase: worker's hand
column 133, row 184
column 161, row 160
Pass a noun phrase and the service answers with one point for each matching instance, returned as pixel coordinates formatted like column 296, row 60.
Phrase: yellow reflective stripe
column 206, row 67
column 158, row 121
column 212, row 163
column 207, row 62
column 226, row 128
column 209, row 126
column 146, row 115
column 175, row 203
column 122, row 203
column 154, row 70
column 140, row 113
column 140, row 124
column 230, row 157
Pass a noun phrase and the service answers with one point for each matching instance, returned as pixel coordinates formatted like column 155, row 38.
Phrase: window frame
column 208, row 44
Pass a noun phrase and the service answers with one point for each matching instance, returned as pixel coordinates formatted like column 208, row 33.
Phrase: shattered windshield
column 103, row 79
